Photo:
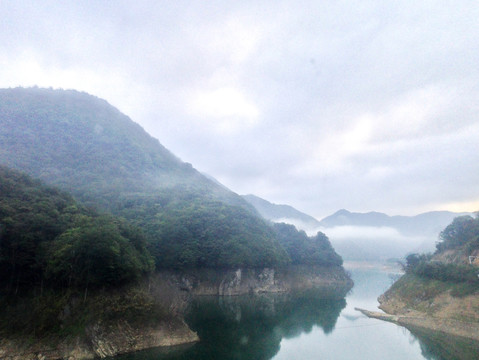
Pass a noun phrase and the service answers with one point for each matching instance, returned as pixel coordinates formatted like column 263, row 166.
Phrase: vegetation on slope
column 47, row 238
column 450, row 262
column 316, row 250
column 64, row 267
column 88, row 148
column 186, row 230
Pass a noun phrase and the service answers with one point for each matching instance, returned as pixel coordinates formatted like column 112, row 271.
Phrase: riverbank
column 69, row 325
column 100, row 340
column 415, row 302
column 145, row 315
column 415, row 320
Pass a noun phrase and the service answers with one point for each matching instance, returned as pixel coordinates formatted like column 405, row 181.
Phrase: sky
column 322, row 105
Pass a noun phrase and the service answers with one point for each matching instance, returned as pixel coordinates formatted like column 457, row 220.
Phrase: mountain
column 423, row 224
column 100, row 226
column 377, row 236
column 88, row 148
column 283, row 213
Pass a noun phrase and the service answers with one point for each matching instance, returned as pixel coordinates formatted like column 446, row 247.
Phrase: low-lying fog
column 375, row 243
column 369, row 242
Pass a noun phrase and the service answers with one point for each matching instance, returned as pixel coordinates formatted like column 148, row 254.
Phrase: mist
column 375, row 243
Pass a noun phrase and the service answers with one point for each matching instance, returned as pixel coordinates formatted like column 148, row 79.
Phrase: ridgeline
column 98, row 221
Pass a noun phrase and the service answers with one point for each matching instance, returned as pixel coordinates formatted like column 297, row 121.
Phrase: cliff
column 104, row 323
column 267, row 280
column 430, row 304
column 150, row 314
column 100, row 340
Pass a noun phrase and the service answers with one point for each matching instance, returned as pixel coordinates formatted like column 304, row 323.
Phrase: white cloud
column 226, row 109
column 318, row 105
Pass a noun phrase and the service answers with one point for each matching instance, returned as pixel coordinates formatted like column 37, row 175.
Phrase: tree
column 462, row 230
column 96, row 254
column 316, row 250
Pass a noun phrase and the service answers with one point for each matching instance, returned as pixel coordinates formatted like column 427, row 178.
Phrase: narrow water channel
column 308, row 325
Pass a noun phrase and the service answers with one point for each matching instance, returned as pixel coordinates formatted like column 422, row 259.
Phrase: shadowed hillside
column 87, row 147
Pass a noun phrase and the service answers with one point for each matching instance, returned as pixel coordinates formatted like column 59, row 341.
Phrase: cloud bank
column 321, row 105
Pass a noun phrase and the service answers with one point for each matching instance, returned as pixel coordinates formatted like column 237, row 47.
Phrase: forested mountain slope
column 110, row 204
column 48, row 239
column 87, row 147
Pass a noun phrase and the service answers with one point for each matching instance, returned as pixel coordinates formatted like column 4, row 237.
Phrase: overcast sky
column 322, row 105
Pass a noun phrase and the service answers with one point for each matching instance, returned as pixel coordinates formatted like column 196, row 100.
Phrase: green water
column 314, row 324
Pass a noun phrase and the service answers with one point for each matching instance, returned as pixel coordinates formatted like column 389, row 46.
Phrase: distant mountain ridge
column 368, row 236
column 376, row 236
column 423, row 224
column 85, row 146
column 282, row 213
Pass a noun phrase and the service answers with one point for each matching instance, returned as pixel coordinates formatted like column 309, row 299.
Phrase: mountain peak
column 342, row 212
column 282, row 213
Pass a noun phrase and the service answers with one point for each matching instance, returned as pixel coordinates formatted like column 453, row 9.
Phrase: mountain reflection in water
column 252, row 327
column 439, row 346
column 313, row 324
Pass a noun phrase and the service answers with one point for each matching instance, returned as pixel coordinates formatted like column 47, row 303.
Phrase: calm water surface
column 308, row 325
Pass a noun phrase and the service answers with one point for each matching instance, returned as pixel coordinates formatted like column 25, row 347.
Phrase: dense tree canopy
column 316, row 250
column 462, row 238
column 88, row 148
column 185, row 230
column 46, row 236
column 464, row 230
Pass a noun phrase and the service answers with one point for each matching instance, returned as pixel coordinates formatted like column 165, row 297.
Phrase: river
column 313, row 324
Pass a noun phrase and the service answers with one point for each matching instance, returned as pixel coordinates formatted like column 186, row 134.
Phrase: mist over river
column 309, row 324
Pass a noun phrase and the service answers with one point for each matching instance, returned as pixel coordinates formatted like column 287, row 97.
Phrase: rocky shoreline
column 439, row 313
column 172, row 290
column 453, row 327
column 100, row 341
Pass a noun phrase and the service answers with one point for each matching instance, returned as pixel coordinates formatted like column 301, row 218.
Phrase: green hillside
column 85, row 146
column 88, row 148
column 454, row 264
column 48, row 239
column 303, row 249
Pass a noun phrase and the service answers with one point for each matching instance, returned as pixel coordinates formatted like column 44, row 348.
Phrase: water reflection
column 439, row 346
column 251, row 327
column 308, row 325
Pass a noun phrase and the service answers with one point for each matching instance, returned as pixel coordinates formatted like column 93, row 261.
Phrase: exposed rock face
column 123, row 338
column 438, row 312
column 245, row 281
column 101, row 340
column 172, row 290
